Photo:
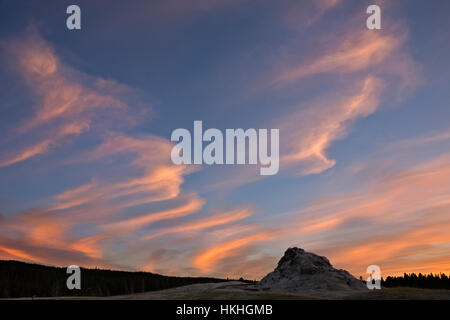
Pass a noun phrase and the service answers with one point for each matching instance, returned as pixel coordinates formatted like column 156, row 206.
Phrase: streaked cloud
column 66, row 100
column 124, row 205
column 132, row 224
column 309, row 132
column 395, row 220
column 369, row 67
column 58, row 137
column 205, row 223
column 357, row 52
column 158, row 178
column 301, row 14
column 207, row 259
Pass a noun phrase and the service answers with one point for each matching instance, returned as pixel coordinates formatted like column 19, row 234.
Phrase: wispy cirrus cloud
column 309, row 132
column 66, row 101
column 305, row 13
column 207, row 259
column 141, row 215
column 58, row 137
column 368, row 68
column 358, row 51
column 205, row 223
column 397, row 220
column 132, row 224
column 156, row 179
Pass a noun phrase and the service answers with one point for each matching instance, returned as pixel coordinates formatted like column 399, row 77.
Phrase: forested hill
column 19, row 279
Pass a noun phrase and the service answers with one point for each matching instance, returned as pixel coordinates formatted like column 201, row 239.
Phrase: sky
column 86, row 176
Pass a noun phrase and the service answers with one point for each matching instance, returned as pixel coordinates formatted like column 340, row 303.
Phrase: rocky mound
column 302, row 272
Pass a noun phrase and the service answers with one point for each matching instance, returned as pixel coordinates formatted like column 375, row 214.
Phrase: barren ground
column 235, row 290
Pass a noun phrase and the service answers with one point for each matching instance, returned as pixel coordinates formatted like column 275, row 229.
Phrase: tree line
column 19, row 279
column 428, row 281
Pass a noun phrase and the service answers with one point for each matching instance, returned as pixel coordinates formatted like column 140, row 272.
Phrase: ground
column 235, row 290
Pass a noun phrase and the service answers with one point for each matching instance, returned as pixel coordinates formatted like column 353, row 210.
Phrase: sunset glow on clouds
column 86, row 174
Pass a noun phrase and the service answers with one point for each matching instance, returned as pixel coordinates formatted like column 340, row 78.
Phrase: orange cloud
column 96, row 205
column 207, row 259
column 89, row 246
column 208, row 222
column 46, row 230
column 408, row 251
column 133, row 224
column 60, row 89
column 71, row 129
column 66, row 100
column 44, row 236
column 358, row 52
column 398, row 220
column 309, row 132
column 158, row 180
column 17, row 254
column 371, row 63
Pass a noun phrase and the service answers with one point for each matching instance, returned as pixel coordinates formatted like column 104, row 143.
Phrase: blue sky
column 87, row 115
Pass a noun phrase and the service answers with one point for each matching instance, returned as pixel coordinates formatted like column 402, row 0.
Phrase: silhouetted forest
column 19, row 279
column 429, row 281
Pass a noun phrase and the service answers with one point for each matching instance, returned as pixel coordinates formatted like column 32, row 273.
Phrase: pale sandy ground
column 222, row 290
column 235, row 290
column 230, row 290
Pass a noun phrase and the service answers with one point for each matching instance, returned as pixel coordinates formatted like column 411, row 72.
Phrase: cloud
column 413, row 249
column 66, row 100
column 45, row 145
column 301, row 14
column 420, row 141
column 133, row 224
column 368, row 68
column 139, row 213
column 10, row 254
column 396, row 220
column 81, row 223
column 98, row 208
column 205, row 223
column 207, row 259
column 355, row 53
column 158, row 178
column 310, row 132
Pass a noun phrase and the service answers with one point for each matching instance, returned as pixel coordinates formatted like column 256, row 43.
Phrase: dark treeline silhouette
column 19, row 279
column 428, row 281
